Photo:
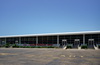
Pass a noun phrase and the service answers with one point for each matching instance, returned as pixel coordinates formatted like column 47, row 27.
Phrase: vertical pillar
column 58, row 40
column 70, row 39
column 47, row 41
column 19, row 40
column 5, row 41
column 36, row 40
column 0, row 41
column 83, row 38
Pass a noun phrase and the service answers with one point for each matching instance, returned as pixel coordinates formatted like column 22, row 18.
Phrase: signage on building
column 77, row 39
column 91, row 39
column 64, row 40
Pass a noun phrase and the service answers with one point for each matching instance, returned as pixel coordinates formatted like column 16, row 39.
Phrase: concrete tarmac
column 48, row 56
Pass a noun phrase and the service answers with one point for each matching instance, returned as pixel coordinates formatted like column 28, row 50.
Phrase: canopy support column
column 83, row 38
column 58, row 40
column 36, row 40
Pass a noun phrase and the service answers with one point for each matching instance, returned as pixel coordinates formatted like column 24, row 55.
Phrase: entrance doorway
column 64, row 42
column 76, row 42
column 90, row 43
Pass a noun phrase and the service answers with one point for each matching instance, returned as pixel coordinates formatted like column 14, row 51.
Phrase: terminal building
column 90, row 38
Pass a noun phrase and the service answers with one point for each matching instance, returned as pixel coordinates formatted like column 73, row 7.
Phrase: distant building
column 54, row 39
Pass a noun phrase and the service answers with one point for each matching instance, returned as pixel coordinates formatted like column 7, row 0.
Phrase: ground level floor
column 45, row 56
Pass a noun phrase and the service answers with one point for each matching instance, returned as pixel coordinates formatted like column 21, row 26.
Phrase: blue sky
column 48, row 16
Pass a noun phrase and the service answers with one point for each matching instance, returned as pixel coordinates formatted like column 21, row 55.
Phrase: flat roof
column 52, row 34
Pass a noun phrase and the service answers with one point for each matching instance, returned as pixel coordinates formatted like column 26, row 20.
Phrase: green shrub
column 98, row 46
column 43, row 47
column 69, row 46
column 28, row 47
column 84, row 46
column 7, row 45
column 25, row 46
column 15, row 46
column 20, row 46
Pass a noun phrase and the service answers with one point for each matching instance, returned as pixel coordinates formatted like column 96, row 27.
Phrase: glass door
column 90, row 42
column 64, row 42
column 76, row 42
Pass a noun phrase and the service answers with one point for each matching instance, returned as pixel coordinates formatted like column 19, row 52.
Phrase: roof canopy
column 53, row 34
